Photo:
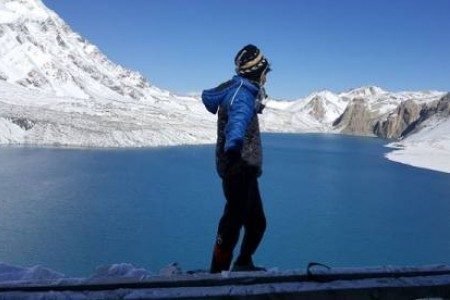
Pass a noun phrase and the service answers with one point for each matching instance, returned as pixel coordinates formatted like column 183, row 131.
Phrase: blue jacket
column 237, row 97
column 236, row 103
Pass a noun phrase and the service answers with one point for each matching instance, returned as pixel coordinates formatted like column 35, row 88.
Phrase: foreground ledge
column 318, row 283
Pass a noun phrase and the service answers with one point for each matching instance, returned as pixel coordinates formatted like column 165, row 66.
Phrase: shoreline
column 421, row 156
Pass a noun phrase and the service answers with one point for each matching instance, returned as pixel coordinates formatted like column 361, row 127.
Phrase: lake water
column 332, row 199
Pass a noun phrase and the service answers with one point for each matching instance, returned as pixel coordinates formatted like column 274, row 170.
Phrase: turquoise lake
column 328, row 198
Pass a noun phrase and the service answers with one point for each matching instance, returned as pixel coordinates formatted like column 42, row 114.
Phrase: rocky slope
column 409, row 115
column 399, row 120
column 438, row 110
column 384, row 114
column 357, row 119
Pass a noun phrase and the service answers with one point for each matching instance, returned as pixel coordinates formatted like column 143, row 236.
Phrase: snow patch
column 429, row 148
column 122, row 270
column 10, row 273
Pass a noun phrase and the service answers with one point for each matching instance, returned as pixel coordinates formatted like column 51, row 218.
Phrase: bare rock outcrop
column 360, row 117
column 357, row 119
column 399, row 120
column 438, row 109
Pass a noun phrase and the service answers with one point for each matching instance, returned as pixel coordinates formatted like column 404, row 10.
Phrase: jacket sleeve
column 240, row 113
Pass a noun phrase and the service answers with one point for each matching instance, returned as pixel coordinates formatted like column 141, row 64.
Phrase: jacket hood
column 213, row 98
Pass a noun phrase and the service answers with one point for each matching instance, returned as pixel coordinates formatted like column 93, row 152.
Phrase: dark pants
column 242, row 209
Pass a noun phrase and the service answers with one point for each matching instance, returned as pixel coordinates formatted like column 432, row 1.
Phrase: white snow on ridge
column 323, row 106
column 63, row 121
column 429, row 148
column 363, row 92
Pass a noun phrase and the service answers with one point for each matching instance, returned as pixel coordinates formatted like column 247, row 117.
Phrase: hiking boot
column 248, row 267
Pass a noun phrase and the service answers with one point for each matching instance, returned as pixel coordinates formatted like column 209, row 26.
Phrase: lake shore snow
column 429, row 148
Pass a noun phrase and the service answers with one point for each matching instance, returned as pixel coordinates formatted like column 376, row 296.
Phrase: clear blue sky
column 188, row 45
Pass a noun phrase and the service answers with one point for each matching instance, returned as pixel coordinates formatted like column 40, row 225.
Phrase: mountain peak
column 364, row 91
column 325, row 94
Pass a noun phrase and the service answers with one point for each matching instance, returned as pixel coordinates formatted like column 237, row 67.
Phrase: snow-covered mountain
column 40, row 50
column 356, row 111
column 56, row 88
column 324, row 106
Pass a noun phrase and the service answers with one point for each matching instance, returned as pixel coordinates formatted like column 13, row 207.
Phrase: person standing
column 239, row 159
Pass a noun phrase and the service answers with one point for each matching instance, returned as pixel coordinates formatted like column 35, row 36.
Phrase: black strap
column 317, row 277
